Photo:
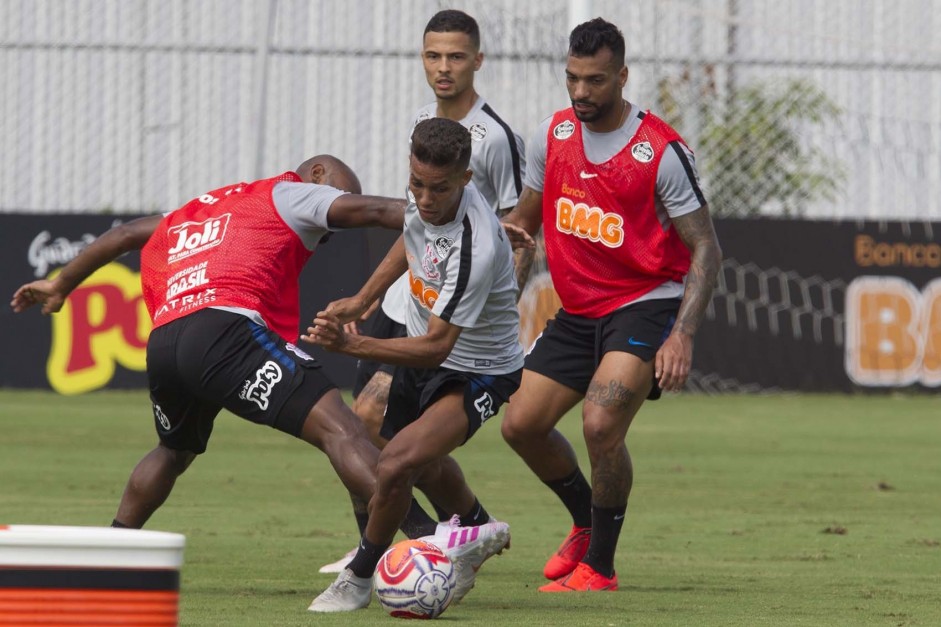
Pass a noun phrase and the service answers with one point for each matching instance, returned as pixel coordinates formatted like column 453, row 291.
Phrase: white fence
column 138, row 105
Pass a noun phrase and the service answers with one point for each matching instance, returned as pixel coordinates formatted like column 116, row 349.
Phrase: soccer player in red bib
column 633, row 256
column 220, row 279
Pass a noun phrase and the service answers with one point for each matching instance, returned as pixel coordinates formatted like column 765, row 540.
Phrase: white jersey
column 463, row 273
column 498, row 162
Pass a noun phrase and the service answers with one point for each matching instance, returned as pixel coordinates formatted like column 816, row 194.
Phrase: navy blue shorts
column 213, row 359
column 415, row 389
column 570, row 348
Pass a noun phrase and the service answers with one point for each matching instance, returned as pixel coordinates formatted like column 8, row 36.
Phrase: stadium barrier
column 801, row 305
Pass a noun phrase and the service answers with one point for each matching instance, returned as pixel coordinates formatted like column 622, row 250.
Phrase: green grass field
column 746, row 510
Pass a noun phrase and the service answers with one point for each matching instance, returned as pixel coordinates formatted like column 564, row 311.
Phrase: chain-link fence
column 820, row 108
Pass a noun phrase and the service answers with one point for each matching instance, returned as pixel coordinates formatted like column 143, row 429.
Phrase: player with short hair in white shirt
column 460, row 362
column 451, row 56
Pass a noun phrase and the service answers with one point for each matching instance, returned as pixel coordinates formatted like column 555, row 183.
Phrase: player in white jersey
column 451, row 56
column 460, row 362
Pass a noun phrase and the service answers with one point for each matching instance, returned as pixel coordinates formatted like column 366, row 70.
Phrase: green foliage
column 754, row 149
column 746, row 510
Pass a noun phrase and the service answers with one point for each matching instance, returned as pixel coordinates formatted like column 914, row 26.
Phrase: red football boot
column 568, row 556
column 583, row 579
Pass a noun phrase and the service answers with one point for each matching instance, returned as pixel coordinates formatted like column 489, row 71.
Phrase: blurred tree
column 751, row 146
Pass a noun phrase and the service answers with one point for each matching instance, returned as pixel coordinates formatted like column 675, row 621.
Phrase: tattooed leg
column 616, row 392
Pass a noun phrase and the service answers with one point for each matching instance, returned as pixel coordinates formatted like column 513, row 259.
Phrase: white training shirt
column 463, row 273
column 498, row 161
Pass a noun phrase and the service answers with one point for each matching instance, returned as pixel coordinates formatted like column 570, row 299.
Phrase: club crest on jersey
column 259, row 390
column 191, row 238
column 563, row 130
column 443, row 245
column 643, row 152
column 478, row 131
column 429, row 263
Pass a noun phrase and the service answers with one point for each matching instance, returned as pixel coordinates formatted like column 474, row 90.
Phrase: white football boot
column 468, row 548
column 346, row 594
column 339, row 565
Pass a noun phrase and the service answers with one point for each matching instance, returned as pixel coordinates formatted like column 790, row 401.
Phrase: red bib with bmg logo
column 605, row 244
column 227, row 248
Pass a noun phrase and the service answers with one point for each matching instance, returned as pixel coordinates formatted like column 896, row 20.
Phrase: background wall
column 827, row 111
column 139, row 105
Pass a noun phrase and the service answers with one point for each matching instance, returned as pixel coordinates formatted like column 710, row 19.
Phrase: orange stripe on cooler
column 25, row 606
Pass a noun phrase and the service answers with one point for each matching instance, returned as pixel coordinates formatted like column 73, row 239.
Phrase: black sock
column 575, row 494
column 605, row 529
column 118, row 525
column 361, row 519
column 417, row 522
column 367, row 556
column 443, row 516
column 476, row 516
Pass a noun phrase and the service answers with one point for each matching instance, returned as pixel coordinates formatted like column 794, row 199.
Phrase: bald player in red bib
column 633, row 256
column 219, row 277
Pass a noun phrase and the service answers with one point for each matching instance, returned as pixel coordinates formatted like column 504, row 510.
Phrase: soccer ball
column 414, row 579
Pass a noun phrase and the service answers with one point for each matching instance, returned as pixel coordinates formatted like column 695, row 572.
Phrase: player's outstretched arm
column 675, row 357
column 111, row 245
column 356, row 210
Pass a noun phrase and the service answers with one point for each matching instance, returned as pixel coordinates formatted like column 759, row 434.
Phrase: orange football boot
column 583, row 579
column 568, row 556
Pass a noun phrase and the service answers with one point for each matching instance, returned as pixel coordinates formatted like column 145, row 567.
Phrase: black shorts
column 383, row 327
column 415, row 389
column 214, row 359
column 571, row 347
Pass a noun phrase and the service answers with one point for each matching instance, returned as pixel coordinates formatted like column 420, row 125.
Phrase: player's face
column 450, row 60
column 437, row 190
column 594, row 85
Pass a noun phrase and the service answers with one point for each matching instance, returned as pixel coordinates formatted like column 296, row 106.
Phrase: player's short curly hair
column 454, row 21
column 442, row 142
column 590, row 37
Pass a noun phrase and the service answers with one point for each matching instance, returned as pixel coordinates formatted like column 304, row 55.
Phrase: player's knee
column 517, row 432
column 602, row 433
column 395, row 469
column 178, row 461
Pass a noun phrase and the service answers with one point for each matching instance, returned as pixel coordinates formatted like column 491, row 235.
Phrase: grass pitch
column 746, row 510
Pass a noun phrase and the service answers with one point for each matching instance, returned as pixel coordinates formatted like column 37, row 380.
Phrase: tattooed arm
column 675, row 357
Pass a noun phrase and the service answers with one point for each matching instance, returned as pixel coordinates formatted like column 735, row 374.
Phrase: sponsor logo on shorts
column 259, row 390
column 195, row 237
column 478, row 131
column 563, row 130
column 484, row 406
column 161, row 417
column 634, row 342
column 643, row 152
column 297, row 351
